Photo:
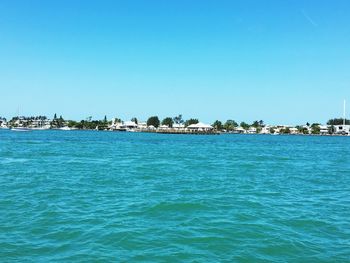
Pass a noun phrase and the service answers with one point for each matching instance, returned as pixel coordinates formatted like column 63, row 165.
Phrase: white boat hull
column 19, row 129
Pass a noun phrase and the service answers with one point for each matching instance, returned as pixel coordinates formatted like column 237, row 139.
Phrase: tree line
column 228, row 125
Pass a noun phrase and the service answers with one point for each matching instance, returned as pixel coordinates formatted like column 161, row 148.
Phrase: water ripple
column 131, row 197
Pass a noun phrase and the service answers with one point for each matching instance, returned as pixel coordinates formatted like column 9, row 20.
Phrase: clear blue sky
column 281, row 61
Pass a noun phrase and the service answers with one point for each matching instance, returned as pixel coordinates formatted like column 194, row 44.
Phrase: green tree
column 285, row 131
column 244, row 125
column 218, row 125
column 272, row 130
column 315, row 128
column 72, row 124
column 230, row 125
column 255, row 124
column 300, row 128
column 134, row 120
column 154, row 121
column 305, row 130
column 117, row 120
column 79, row 125
column 338, row 121
column 191, row 121
column 60, row 122
column 56, row 123
column 105, row 119
column 178, row 119
column 168, row 121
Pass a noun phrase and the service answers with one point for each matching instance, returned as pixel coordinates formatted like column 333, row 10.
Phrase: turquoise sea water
column 85, row 196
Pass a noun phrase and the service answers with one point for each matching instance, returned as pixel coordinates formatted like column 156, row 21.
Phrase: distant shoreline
column 175, row 125
column 181, row 133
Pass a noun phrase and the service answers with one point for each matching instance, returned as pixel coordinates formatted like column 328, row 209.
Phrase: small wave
column 13, row 160
column 176, row 207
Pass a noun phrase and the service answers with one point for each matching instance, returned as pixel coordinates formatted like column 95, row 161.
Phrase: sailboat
column 344, row 119
column 20, row 128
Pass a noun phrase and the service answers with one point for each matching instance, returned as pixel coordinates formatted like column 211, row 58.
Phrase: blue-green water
column 131, row 197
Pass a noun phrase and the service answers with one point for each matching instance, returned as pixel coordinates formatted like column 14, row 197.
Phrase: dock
column 176, row 131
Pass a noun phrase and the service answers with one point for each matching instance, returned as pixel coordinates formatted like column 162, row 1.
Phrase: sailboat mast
column 344, row 113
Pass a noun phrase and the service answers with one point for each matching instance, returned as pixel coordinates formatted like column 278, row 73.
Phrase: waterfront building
column 265, row 129
column 142, row 125
column 163, row 127
column 307, row 129
column 115, row 125
column 342, row 129
column 129, row 125
column 324, row 129
column 251, row 130
column 293, row 130
column 21, row 122
column 239, row 130
column 200, row 127
column 40, row 123
column 178, row 126
column 3, row 123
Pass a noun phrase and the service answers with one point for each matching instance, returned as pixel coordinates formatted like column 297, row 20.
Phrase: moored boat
column 20, row 129
column 65, row 128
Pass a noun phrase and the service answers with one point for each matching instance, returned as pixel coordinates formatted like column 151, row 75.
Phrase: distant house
column 21, row 122
column 3, row 123
column 239, row 130
column 41, row 123
column 142, row 125
column 178, row 126
column 163, row 127
column 293, row 130
column 251, row 130
column 324, row 129
column 115, row 125
column 307, row 129
column 129, row 125
column 265, row 130
column 200, row 127
column 342, row 129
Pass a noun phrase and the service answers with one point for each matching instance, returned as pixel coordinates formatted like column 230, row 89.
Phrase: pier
column 193, row 132
column 182, row 131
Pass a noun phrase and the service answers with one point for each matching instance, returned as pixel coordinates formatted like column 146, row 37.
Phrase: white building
column 251, row 130
column 142, row 125
column 239, row 130
column 3, row 123
column 293, row 130
column 265, row 130
column 128, row 125
column 163, row 127
column 178, row 126
column 123, row 126
column 41, row 123
column 115, row 124
column 341, row 129
column 200, row 127
column 324, row 129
